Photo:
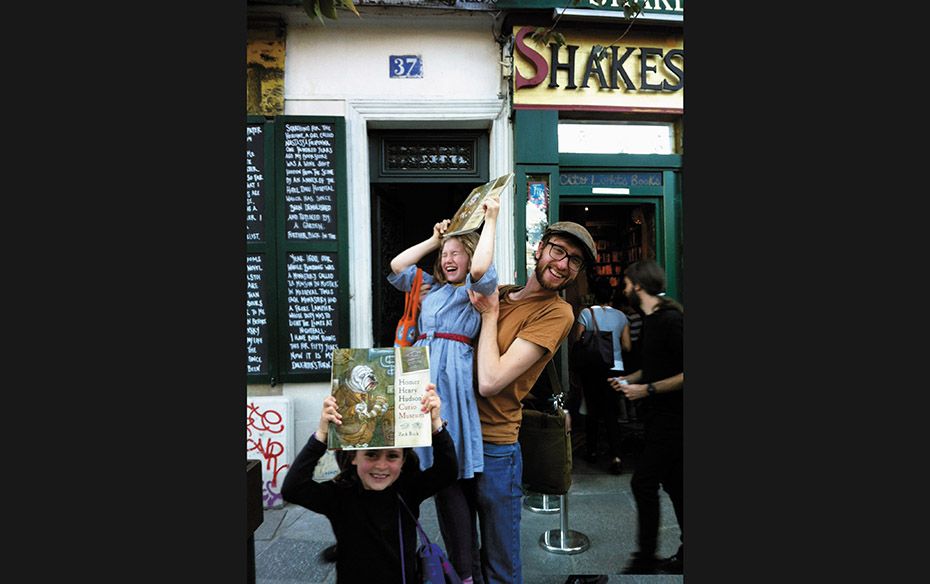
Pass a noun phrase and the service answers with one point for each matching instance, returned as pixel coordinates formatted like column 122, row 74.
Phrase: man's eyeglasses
column 558, row 252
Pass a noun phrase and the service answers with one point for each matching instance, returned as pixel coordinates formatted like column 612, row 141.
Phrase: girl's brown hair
column 348, row 475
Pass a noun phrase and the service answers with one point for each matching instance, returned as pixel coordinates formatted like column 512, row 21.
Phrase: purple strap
column 419, row 527
column 400, row 533
column 446, row 566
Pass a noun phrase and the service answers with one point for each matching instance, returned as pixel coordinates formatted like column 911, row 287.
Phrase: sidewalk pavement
column 600, row 506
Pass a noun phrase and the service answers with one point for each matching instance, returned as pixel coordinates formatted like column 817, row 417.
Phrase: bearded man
column 659, row 386
column 521, row 329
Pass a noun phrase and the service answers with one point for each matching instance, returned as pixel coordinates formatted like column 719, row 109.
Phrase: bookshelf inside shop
column 619, row 242
column 610, row 256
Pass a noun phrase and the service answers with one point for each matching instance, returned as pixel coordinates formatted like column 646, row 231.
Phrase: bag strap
column 447, row 568
column 555, row 384
column 415, row 290
column 419, row 527
column 412, row 297
column 593, row 320
column 403, row 561
column 407, row 301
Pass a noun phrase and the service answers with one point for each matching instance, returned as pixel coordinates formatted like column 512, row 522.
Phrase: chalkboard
column 256, row 322
column 312, row 302
column 310, row 181
column 254, row 182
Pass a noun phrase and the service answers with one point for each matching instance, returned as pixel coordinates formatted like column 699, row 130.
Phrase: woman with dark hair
column 449, row 325
column 601, row 401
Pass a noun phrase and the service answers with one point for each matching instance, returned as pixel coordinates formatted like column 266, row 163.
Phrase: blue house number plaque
column 406, row 66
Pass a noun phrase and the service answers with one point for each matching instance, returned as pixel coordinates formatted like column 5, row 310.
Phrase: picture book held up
column 378, row 393
column 470, row 215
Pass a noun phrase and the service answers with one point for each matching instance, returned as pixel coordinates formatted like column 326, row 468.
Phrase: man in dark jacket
column 659, row 384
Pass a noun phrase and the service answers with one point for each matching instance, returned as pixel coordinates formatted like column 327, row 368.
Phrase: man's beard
column 634, row 299
column 540, row 270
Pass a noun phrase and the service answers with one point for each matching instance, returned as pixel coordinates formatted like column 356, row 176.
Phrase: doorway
column 623, row 233
column 403, row 214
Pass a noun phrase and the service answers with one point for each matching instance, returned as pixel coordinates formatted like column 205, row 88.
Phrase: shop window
column 450, row 156
column 616, row 137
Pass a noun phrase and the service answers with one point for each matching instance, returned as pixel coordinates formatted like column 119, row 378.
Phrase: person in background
column 521, row 329
column 631, row 359
column 630, row 356
column 362, row 503
column 448, row 324
column 658, row 385
column 601, row 401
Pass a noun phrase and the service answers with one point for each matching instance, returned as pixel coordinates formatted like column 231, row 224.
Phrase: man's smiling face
column 554, row 274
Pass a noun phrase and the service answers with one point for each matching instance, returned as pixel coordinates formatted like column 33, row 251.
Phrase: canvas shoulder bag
column 546, row 446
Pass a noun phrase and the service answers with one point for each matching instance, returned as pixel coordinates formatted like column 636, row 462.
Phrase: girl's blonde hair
column 469, row 242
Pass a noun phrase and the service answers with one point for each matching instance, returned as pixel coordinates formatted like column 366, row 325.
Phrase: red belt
column 450, row 336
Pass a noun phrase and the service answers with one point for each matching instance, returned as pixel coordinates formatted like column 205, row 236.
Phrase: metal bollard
column 564, row 540
column 540, row 503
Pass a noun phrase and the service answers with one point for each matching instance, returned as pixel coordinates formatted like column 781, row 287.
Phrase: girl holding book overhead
column 362, row 503
column 448, row 324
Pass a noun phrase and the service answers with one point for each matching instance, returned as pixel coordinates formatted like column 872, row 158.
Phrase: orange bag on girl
column 407, row 333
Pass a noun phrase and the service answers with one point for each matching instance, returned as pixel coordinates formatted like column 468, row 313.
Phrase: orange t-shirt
column 544, row 321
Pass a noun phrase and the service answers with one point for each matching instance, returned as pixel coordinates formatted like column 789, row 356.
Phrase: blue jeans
column 499, row 508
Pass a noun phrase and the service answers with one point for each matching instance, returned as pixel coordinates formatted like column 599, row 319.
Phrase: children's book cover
column 470, row 215
column 378, row 393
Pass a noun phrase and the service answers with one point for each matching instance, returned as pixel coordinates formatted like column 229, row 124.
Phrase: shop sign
column 610, row 179
column 642, row 71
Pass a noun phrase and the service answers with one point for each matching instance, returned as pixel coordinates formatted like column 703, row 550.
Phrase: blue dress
column 447, row 309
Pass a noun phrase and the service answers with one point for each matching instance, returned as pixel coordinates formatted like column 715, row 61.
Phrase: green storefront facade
column 598, row 135
column 536, row 155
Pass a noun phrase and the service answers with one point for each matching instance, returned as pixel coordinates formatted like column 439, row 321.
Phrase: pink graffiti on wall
column 260, row 428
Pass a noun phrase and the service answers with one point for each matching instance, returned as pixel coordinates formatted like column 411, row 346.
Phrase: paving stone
column 600, row 506
column 292, row 559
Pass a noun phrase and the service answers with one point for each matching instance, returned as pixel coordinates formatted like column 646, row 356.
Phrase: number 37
column 406, row 66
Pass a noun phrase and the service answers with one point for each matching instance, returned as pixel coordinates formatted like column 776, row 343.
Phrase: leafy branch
column 544, row 36
column 327, row 8
column 631, row 9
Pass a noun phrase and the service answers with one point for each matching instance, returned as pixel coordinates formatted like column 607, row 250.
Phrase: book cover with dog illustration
column 378, row 393
column 470, row 215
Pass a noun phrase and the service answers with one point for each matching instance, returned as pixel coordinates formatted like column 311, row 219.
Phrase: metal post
column 540, row 503
column 564, row 540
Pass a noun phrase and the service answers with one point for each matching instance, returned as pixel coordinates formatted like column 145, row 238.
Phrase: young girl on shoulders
column 448, row 324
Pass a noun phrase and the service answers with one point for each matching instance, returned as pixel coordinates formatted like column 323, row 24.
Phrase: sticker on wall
column 405, row 66
column 537, row 213
column 269, row 439
column 326, row 468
